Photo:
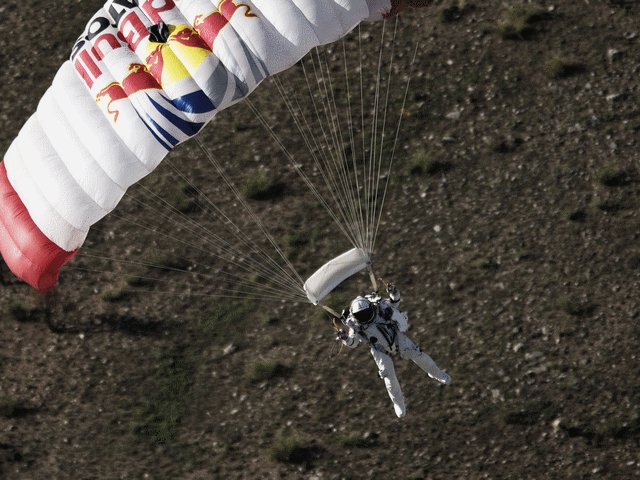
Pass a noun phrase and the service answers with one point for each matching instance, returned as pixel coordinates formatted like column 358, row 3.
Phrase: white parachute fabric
column 334, row 272
column 123, row 100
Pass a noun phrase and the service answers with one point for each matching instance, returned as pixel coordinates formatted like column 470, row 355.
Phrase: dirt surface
column 516, row 252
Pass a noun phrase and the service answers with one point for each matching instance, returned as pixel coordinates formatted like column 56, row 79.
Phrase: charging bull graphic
column 138, row 80
column 210, row 25
column 171, row 61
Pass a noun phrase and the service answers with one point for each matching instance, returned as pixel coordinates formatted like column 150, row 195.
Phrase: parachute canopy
column 145, row 76
column 126, row 98
column 334, row 272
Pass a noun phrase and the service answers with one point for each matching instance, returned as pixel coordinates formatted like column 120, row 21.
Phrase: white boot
column 400, row 410
column 441, row 377
column 410, row 350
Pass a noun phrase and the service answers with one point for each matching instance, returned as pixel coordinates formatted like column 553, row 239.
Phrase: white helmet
column 362, row 311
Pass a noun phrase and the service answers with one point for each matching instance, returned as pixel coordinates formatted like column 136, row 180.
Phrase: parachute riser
column 372, row 276
column 330, row 310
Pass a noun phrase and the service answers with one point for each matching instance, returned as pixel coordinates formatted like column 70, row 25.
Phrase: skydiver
column 379, row 324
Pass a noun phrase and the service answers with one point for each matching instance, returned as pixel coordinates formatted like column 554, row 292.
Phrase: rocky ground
column 511, row 229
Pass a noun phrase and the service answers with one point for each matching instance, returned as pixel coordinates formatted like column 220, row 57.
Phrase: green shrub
column 574, row 308
column 183, row 199
column 604, row 205
column 10, row 408
column 611, row 176
column 20, row 312
column 487, row 263
column 263, row 370
column 618, row 429
column 114, row 295
column 259, row 187
column 156, row 259
column 452, row 12
column 355, row 441
column 295, row 243
column 425, row 164
column 596, row 202
column 159, row 417
column 518, row 23
column 512, row 29
column 558, row 67
column 535, row 412
column 139, row 281
column 288, row 450
column 574, row 215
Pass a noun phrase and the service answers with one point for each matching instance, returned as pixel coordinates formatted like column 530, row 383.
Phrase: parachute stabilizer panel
column 28, row 253
column 334, row 272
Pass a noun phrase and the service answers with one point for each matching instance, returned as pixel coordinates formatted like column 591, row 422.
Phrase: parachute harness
column 335, row 325
column 336, row 315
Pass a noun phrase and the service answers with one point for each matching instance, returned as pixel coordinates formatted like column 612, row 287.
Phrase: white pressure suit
column 383, row 333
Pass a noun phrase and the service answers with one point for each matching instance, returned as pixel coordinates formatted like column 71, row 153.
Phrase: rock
column 614, row 55
column 454, row 114
column 614, row 98
column 557, row 424
column 229, row 349
column 532, row 355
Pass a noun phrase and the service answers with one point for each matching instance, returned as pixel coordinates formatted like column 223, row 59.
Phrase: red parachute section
column 27, row 251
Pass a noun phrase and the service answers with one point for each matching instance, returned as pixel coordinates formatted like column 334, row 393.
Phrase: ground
column 510, row 228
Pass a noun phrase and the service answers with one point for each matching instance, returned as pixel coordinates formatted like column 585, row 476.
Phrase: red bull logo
column 189, row 38
column 112, row 92
column 155, row 62
column 165, row 60
column 137, row 80
column 209, row 26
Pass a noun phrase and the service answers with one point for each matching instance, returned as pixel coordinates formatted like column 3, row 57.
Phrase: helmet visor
column 364, row 316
